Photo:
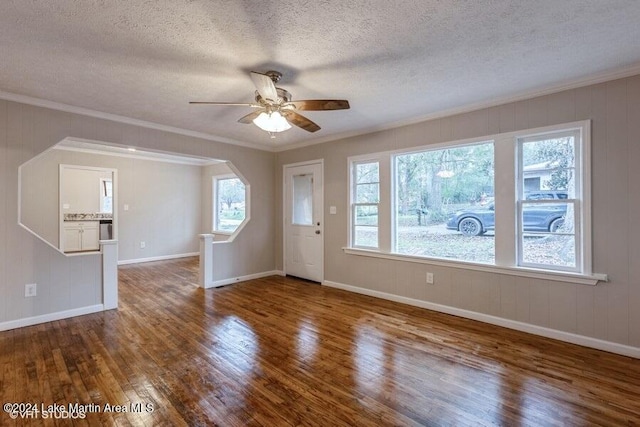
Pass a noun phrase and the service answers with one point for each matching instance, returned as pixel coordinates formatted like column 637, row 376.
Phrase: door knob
column 317, row 231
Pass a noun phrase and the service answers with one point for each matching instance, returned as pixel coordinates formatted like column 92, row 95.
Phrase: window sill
column 582, row 279
column 222, row 233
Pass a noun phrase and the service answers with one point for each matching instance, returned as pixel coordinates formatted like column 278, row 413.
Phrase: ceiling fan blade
column 248, row 119
column 240, row 104
column 266, row 87
column 300, row 121
column 321, row 104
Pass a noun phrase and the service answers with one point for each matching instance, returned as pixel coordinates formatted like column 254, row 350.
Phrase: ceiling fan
column 274, row 109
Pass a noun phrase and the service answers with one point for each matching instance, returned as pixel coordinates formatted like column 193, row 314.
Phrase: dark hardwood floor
column 279, row 351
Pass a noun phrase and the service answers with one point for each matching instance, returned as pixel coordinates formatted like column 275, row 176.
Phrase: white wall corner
column 109, row 250
column 205, row 270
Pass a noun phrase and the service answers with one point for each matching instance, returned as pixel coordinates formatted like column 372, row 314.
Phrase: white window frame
column 434, row 147
column 506, row 182
column 354, row 162
column 580, row 201
column 214, row 198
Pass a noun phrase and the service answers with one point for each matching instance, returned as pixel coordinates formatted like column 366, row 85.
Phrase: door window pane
column 303, row 199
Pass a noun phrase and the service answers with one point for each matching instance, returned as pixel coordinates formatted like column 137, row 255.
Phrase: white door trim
column 284, row 209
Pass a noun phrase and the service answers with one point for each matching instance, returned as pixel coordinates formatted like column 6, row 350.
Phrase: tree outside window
column 229, row 204
column 430, row 187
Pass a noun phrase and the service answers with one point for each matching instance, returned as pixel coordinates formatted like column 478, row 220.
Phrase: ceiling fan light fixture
column 272, row 122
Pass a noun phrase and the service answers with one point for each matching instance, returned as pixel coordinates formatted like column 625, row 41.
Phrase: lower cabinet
column 81, row 236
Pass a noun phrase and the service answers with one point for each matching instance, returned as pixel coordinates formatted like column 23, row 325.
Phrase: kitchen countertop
column 87, row 216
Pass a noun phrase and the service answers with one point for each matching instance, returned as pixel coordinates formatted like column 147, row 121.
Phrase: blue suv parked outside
column 476, row 221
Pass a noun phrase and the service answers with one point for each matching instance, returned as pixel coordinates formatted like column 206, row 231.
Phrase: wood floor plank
column 281, row 351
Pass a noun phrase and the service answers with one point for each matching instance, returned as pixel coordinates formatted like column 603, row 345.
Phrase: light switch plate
column 332, row 210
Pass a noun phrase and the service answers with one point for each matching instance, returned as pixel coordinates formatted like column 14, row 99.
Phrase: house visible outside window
column 517, row 201
column 229, row 203
column 365, row 204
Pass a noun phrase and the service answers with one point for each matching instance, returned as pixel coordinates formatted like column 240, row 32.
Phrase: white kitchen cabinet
column 81, row 236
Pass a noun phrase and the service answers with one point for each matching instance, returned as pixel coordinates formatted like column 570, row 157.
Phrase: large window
column 443, row 204
column 518, row 201
column 229, row 203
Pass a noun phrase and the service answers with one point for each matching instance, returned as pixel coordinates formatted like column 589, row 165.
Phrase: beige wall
column 609, row 311
column 81, row 188
column 163, row 199
column 69, row 283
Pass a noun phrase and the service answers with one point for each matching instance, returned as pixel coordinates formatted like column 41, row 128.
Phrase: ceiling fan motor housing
column 275, row 76
column 283, row 96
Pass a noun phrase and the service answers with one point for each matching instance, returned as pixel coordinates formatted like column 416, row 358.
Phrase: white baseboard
column 582, row 340
column 157, row 258
column 232, row 280
column 35, row 320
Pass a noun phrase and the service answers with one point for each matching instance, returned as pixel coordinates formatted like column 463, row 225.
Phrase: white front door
column 303, row 221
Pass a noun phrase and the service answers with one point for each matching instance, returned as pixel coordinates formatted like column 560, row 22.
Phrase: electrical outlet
column 143, row 245
column 30, row 290
column 430, row 278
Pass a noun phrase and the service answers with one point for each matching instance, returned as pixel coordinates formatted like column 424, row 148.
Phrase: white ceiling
column 395, row 61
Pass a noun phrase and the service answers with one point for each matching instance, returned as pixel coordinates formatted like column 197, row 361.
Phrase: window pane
column 444, row 203
column 366, row 226
column 303, row 199
column 548, row 167
column 367, row 193
column 106, row 196
column 367, row 173
column 366, row 215
column 548, row 234
column 365, row 236
column 230, row 204
column 367, row 179
column 549, row 250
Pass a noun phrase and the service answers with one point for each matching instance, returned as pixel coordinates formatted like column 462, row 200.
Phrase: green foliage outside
column 230, row 204
column 432, row 184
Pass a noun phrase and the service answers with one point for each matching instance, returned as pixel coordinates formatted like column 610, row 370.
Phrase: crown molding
column 37, row 102
column 105, row 149
column 521, row 96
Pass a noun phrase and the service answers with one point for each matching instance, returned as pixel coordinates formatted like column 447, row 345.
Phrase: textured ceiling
column 395, row 61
